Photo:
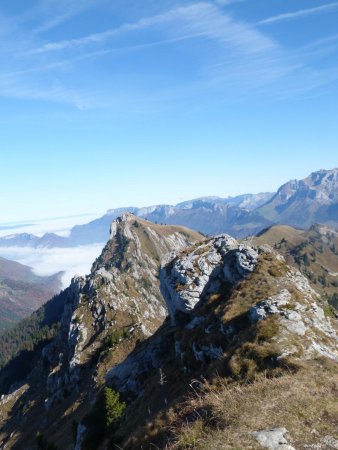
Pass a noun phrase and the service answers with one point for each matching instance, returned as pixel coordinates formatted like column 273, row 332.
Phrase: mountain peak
column 124, row 218
column 303, row 202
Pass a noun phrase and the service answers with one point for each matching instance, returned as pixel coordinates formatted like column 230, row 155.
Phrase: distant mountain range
column 210, row 215
column 49, row 240
column 22, row 292
column 296, row 203
column 302, row 203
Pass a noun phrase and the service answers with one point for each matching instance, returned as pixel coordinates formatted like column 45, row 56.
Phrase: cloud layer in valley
column 58, row 225
column 44, row 261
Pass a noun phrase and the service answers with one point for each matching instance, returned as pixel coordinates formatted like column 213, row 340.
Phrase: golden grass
column 319, row 249
column 253, row 377
column 225, row 415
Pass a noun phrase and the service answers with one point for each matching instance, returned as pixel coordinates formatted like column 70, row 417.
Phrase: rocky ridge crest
column 118, row 304
column 237, row 313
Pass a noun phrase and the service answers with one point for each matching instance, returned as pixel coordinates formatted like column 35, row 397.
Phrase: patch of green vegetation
column 115, row 337
column 310, row 275
column 103, row 419
column 328, row 311
column 114, row 407
column 21, row 346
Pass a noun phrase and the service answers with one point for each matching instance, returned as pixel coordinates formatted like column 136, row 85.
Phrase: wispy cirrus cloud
column 300, row 13
column 205, row 17
column 52, row 13
column 203, row 22
column 235, row 54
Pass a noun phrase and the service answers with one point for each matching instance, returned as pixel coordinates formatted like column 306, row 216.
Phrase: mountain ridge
column 119, row 301
column 303, row 202
column 240, row 319
column 96, row 231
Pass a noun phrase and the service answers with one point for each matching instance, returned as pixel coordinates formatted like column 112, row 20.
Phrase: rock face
column 277, row 304
column 63, row 354
column 121, row 293
column 186, row 279
column 303, row 202
column 302, row 318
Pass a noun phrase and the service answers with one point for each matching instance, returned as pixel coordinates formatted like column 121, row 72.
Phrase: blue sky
column 111, row 103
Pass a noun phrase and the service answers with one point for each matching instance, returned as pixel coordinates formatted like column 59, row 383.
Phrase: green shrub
column 115, row 337
column 114, row 408
column 102, row 420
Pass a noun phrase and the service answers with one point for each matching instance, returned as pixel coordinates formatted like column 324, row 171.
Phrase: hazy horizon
column 28, row 225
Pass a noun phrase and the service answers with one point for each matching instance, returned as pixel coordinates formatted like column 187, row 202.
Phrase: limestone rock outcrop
column 188, row 277
column 223, row 268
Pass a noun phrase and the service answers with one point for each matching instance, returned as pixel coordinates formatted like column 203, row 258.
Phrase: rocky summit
column 177, row 341
column 303, row 202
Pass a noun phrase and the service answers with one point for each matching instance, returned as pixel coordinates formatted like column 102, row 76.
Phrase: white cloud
column 232, row 40
column 202, row 18
column 299, row 14
column 228, row 2
column 52, row 13
column 241, row 56
column 45, row 261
